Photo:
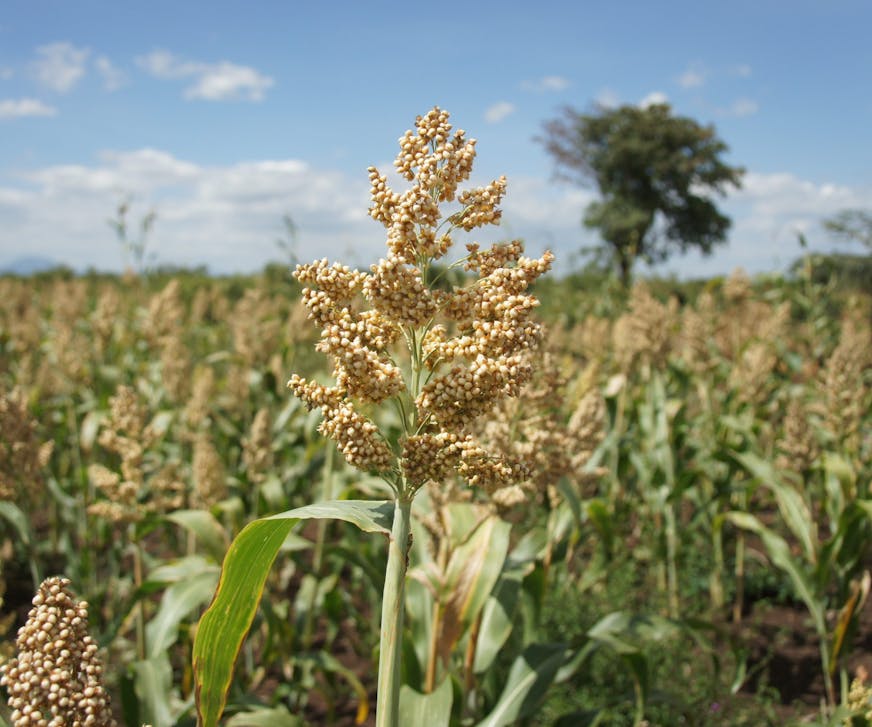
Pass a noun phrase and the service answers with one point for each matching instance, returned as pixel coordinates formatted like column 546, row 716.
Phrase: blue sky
column 223, row 117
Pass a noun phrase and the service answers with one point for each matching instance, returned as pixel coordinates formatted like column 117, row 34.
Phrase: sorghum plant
column 55, row 680
column 399, row 337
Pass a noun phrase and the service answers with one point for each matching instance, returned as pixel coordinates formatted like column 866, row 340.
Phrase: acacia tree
column 851, row 225
column 655, row 173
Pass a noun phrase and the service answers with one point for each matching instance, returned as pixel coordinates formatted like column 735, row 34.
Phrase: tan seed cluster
column 797, row 446
column 210, row 480
column 457, row 399
column 257, row 454
column 56, row 678
column 646, row 331
column 358, row 438
column 22, row 455
column 472, row 340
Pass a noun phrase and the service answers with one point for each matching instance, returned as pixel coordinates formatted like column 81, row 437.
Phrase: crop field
column 561, row 503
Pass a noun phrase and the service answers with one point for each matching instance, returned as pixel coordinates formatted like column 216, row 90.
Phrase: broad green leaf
column 794, row 511
column 497, row 621
column 179, row 570
column 432, row 710
column 472, row 572
column 17, row 519
column 371, row 516
column 209, row 532
column 153, row 684
column 178, row 602
column 246, row 566
column 329, row 663
column 529, row 678
column 779, row 553
column 266, row 717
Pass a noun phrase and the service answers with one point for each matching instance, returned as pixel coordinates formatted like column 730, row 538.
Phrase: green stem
column 740, row 577
column 716, row 582
column 393, row 607
column 140, row 606
column 671, row 562
column 318, row 552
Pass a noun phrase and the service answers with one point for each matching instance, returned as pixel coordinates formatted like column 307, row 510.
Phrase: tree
column 852, row 226
column 655, row 173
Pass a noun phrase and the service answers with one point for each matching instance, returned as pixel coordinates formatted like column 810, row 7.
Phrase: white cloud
column 60, row 66
column 743, row 107
column 607, row 98
column 693, row 77
column 743, row 70
column 653, row 99
column 113, row 77
column 221, row 81
column 6, row 73
column 499, row 111
column 768, row 212
column 17, row 108
column 228, row 216
column 228, row 81
column 546, row 83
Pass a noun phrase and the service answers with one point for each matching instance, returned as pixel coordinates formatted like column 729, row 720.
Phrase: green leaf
column 779, row 553
column 529, row 678
column 371, row 516
column 329, row 663
column 497, row 621
column 177, row 570
column 153, row 683
column 277, row 717
column 433, row 710
column 17, row 519
column 209, row 532
column 178, row 602
column 470, row 576
column 792, row 507
column 246, row 566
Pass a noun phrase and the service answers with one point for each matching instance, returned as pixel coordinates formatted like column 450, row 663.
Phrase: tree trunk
column 626, row 264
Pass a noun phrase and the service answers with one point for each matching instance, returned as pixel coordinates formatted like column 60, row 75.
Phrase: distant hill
column 28, row 265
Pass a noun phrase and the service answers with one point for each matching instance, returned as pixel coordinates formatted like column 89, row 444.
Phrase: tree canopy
column 851, row 225
column 655, row 173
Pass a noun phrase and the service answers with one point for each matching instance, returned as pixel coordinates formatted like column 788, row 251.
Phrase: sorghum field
column 653, row 510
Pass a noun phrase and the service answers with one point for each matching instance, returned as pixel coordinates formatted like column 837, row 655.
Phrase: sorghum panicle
column 465, row 347
column 56, row 678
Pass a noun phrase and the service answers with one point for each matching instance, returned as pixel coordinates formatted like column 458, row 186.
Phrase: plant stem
column 671, row 562
column 140, row 606
column 393, row 608
column 436, row 623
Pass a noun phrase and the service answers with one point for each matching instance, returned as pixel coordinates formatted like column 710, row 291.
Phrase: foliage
column 731, row 482
column 654, row 172
column 852, row 225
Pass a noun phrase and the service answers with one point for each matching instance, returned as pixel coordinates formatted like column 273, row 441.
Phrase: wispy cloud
column 693, row 77
column 499, row 111
column 18, row 108
column 113, row 77
column 740, row 107
column 654, row 98
column 222, row 81
column 546, row 83
column 60, row 66
column 228, row 216
column 6, row 73
column 743, row 70
column 608, row 98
